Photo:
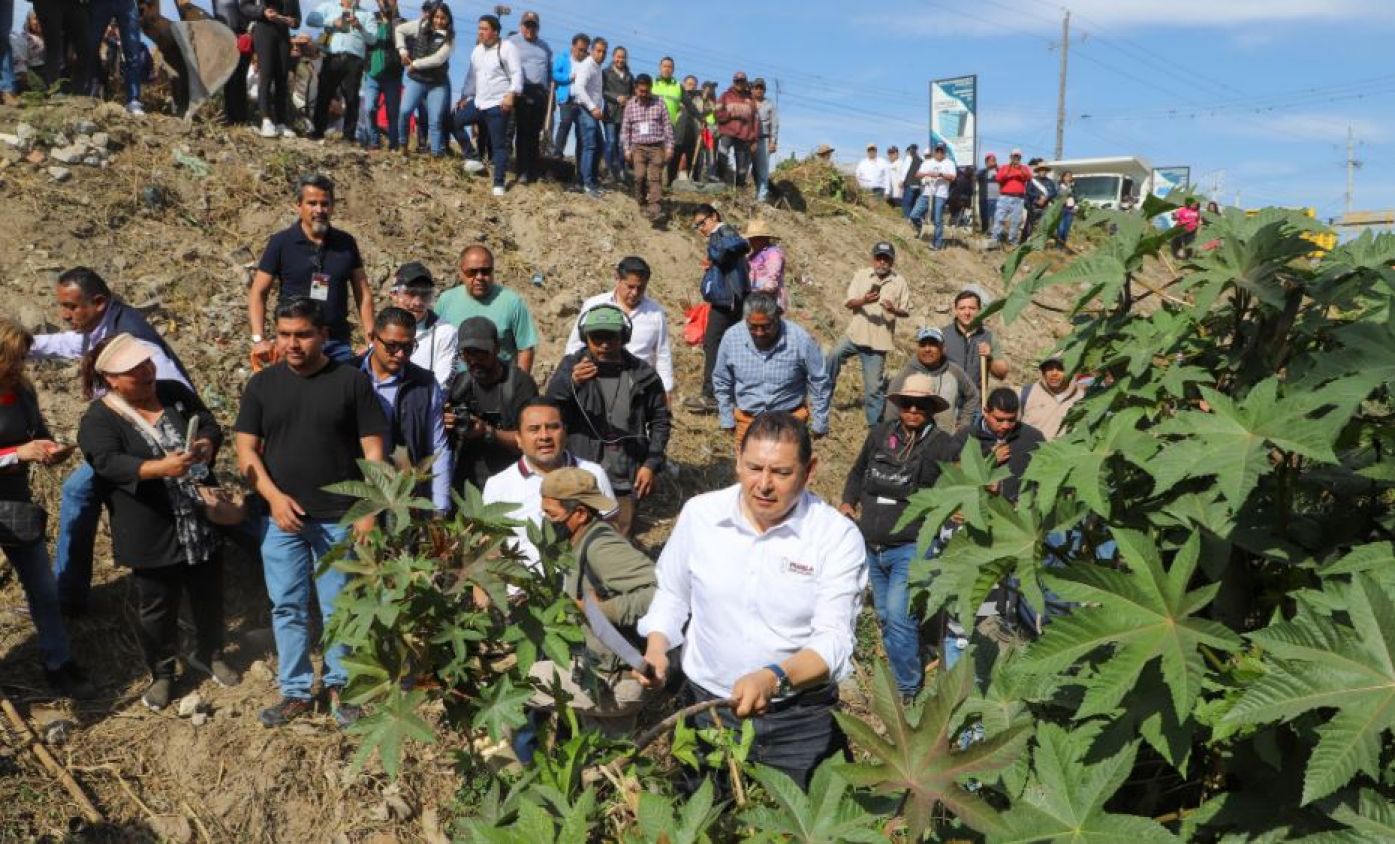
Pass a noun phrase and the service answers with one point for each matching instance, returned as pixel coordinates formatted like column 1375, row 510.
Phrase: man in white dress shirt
column 649, row 340
column 543, row 440
column 874, row 173
column 768, row 580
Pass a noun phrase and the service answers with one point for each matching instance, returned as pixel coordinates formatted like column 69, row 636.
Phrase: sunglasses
column 476, row 272
column 405, row 347
column 924, row 407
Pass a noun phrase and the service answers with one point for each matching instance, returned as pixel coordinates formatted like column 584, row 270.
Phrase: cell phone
column 192, row 432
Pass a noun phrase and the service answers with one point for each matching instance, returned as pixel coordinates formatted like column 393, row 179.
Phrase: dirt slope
column 174, row 222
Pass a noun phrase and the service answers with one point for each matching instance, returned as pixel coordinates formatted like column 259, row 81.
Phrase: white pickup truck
column 1119, row 183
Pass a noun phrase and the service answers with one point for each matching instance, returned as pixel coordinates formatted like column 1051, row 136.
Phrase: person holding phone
column 25, row 440
column 136, row 437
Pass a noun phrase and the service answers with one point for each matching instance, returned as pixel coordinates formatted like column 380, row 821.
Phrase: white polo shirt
column 436, row 347
column 649, row 341
column 750, row 599
column 521, row 484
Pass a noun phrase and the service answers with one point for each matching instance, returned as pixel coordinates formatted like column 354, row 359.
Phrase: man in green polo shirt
column 477, row 294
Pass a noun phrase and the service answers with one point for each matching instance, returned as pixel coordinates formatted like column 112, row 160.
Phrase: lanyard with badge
column 319, row 279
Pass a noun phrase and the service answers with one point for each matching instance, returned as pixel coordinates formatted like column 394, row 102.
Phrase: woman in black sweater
column 135, row 436
column 25, row 439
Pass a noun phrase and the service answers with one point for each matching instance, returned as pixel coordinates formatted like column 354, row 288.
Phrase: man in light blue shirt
column 767, row 363
column 352, row 31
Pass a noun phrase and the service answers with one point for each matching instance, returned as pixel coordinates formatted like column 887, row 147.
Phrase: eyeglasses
column 405, row 347
column 476, row 272
column 426, row 295
column 697, row 225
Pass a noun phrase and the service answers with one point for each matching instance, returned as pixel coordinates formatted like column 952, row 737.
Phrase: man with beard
column 483, row 401
column 314, row 260
column 302, row 426
column 877, row 297
column 949, row 382
column 542, row 437
column 414, row 291
column 615, row 408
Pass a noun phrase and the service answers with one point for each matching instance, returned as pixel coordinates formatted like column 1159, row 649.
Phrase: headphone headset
column 625, row 333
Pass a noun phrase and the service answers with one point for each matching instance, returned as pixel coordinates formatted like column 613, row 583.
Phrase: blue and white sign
column 954, row 117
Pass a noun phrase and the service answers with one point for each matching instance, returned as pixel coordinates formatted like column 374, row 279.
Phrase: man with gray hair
column 768, row 363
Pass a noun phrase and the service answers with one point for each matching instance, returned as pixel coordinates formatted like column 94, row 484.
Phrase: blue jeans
column 873, row 364
column 937, row 214
column 908, row 200
column 99, row 12
column 566, row 121
column 496, row 123
column 288, row 563
column 437, row 99
column 591, row 143
column 7, row 59
column 888, row 570
column 41, row 591
column 368, row 116
column 760, row 168
column 339, row 351
column 986, row 209
column 614, row 155
column 1007, row 219
column 77, row 531
column 1062, row 231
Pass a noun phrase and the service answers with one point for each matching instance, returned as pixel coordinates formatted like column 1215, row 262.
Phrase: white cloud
column 1313, row 127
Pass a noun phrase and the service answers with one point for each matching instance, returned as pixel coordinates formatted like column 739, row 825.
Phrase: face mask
column 563, row 530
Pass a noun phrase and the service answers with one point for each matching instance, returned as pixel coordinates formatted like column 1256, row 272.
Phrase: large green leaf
column 1316, row 662
column 388, row 728
column 919, row 760
column 1065, row 800
column 1008, row 542
column 1142, row 614
column 1079, row 460
column 961, row 488
column 1373, row 817
column 826, row 814
column 501, row 708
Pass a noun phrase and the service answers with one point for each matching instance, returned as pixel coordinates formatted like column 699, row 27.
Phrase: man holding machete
column 614, row 583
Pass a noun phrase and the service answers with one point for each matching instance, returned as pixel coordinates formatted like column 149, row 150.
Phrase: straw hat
column 759, row 228
column 919, row 386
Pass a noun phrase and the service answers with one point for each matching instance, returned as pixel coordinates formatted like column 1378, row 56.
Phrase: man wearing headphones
column 614, row 407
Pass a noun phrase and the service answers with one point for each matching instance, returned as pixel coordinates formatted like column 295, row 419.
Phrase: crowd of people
column 756, row 591
column 1006, row 201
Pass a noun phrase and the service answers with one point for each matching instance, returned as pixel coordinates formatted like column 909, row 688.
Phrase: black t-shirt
column 310, row 426
column 294, row 259
column 498, row 405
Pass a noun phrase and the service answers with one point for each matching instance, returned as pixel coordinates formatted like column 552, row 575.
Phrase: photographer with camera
column 615, row 408
column 483, row 402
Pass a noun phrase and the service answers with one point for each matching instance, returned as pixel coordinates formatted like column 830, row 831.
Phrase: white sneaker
column 285, row 131
column 473, row 166
column 269, row 129
column 498, row 191
column 135, row 109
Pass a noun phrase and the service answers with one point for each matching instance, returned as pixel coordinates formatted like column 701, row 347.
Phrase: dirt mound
column 175, row 216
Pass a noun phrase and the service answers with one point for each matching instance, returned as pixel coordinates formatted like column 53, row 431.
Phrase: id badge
column 319, row 287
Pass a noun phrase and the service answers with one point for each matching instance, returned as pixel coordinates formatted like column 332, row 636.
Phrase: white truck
column 1118, row 183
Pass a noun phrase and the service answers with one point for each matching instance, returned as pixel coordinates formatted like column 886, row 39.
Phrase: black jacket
column 127, row 320
column 1024, row 441
column 254, row 11
column 143, row 532
column 640, row 439
column 885, row 475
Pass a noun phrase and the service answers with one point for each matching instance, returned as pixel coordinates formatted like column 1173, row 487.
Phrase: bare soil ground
column 175, row 223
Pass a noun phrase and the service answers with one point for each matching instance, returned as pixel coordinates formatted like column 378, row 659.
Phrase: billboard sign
column 954, row 117
column 1166, row 179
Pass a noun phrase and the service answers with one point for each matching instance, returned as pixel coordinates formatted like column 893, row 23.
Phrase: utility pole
column 1352, row 164
column 1061, row 91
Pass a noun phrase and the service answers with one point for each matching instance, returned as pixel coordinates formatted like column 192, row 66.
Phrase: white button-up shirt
column 757, row 598
column 436, row 348
column 586, row 87
column 521, row 484
column 874, row 173
column 649, row 341
column 493, row 73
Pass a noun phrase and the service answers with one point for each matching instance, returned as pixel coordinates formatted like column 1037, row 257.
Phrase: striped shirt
column 778, row 378
column 646, row 123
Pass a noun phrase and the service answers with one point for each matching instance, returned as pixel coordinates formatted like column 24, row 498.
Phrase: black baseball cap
column 414, row 274
column 478, row 333
column 884, row 248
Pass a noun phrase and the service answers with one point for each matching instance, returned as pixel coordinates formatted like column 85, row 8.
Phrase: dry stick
column 663, row 726
column 89, row 811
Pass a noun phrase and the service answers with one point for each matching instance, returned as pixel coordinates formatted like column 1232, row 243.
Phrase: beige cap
column 823, row 149
column 122, row 354
column 759, row 228
column 577, row 485
column 918, row 385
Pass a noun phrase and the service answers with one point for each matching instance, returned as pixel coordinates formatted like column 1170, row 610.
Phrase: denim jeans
column 591, row 142
column 873, row 364
column 1062, row 230
column 986, row 209
column 41, row 591
column 737, row 155
column 368, row 117
column 888, row 570
column 99, row 12
column 339, row 351
column 614, row 154
column 496, row 123
column 288, row 563
column 760, row 168
column 437, row 99
column 566, row 121
column 908, row 200
column 77, row 531
column 7, row 59
column 1007, row 219
column 937, row 214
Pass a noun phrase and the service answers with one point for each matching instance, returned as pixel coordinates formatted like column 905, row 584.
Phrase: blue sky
column 1254, row 95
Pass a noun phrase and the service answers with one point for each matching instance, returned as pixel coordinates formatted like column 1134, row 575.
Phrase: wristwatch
column 782, row 680
column 256, row 338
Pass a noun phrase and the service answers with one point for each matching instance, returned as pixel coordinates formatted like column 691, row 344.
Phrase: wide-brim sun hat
column 122, row 354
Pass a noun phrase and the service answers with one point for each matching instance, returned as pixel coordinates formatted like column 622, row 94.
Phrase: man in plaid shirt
column 646, row 135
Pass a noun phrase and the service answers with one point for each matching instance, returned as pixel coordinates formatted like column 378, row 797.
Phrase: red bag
column 244, row 43
column 695, row 323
